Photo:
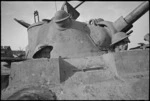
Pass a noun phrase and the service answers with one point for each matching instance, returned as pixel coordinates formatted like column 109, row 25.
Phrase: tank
column 70, row 60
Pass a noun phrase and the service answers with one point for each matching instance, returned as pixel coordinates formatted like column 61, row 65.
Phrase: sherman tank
column 70, row 60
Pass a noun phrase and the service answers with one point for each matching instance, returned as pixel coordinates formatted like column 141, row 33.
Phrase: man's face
column 122, row 45
column 45, row 53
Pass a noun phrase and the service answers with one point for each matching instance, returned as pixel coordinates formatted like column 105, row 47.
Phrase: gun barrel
column 137, row 12
column 4, row 59
column 79, row 4
column 125, row 24
column 22, row 23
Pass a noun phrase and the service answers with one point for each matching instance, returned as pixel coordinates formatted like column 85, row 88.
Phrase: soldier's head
column 146, row 37
column 42, row 51
column 62, row 19
column 119, row 41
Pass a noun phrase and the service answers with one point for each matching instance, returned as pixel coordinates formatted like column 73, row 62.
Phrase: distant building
column 6, row 51
column 18, row 53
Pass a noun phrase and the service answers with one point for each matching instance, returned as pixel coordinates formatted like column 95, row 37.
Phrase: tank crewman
column 119, row 42
column 146, row 38
column 62, row 19
column 143, row 45
column 60, row 16
column 42, row 51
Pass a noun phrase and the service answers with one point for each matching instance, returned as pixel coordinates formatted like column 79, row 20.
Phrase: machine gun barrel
column 11, row 59
column 79, row 4
column 22, row 23
column 137, row 12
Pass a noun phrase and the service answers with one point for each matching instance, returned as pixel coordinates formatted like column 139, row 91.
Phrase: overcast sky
column 15, row 35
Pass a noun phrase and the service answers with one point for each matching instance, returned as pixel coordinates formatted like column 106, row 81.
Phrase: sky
column 15, row 35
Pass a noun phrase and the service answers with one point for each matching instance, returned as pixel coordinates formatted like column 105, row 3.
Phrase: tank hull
column 124, row 76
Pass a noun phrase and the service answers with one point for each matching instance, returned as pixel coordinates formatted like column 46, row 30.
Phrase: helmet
column 61, row 15
column 146, row 37
column 118, row 37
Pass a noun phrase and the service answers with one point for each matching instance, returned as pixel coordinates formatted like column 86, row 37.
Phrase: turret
column 72, row 39
column 103, row 40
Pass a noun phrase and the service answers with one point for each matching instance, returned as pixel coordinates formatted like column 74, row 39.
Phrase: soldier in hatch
column 146, row 37
column 62, row 19
column 42, row 51
column 119, row 42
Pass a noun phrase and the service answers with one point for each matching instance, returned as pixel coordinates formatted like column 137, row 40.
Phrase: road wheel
column 33, row 93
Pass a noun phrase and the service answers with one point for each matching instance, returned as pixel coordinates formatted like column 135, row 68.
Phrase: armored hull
column 67, row 59
column 123, row 76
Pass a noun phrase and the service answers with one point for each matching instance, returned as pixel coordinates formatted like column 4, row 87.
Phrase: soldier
column 42, row 51
column 143, row 45
column 146, row 37
column 119, row 42
column 62, row 19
